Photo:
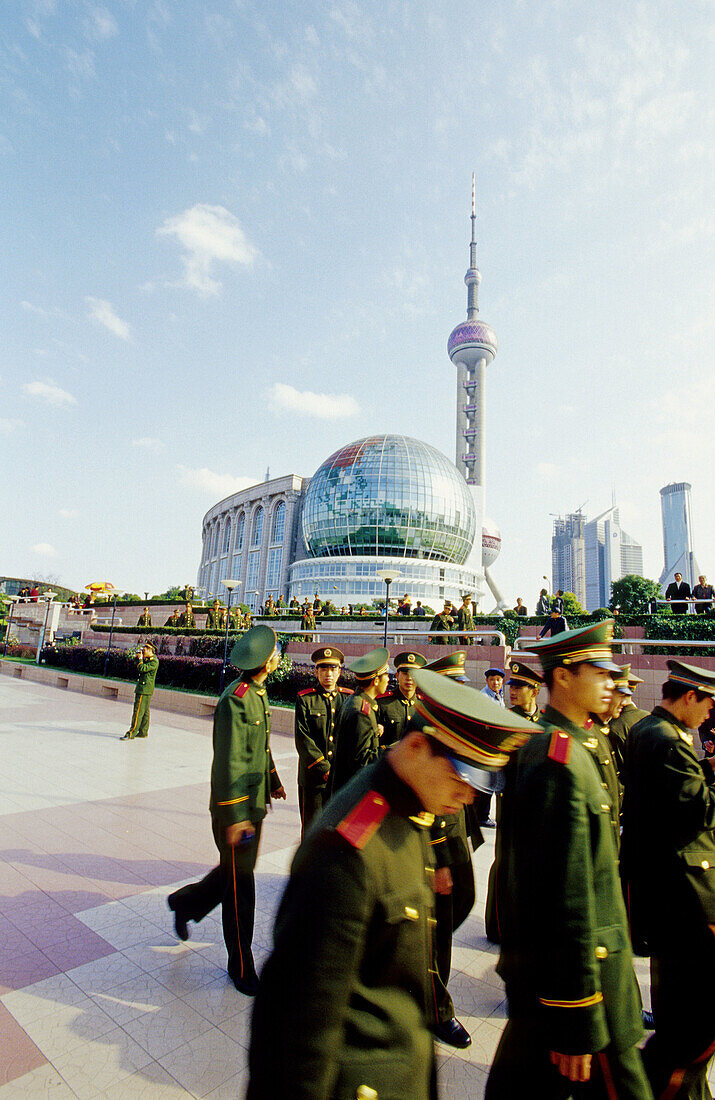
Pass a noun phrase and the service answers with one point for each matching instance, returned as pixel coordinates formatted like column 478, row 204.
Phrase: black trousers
column 522, row 1068
column 451, row 911
column 310, row 802
column 678, row 1053
column 232, row 884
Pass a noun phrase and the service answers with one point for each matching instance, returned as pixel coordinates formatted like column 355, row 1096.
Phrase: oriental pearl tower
column 472, row 346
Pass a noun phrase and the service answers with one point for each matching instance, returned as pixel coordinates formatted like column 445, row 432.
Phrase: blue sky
column 214, row 211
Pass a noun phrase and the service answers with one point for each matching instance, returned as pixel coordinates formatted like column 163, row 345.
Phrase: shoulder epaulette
column 306, row 691
column 346, row 691
column 387, row 697
column 588, row 723
column 560, row 747
column 364, row 820
column 241, row 689
column 365, row 707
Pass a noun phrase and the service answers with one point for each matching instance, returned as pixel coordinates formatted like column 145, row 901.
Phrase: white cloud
column 213, row 484
column 69, row 513
column 44, row 550
column 80, row 65
column 9, row 425
column 148, row 443
column 103, row 23
column 104, row 312
column 209, row 234
column 49, row 392
column 325, row 406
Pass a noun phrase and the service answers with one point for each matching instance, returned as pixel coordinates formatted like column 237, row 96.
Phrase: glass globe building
column 386, row 501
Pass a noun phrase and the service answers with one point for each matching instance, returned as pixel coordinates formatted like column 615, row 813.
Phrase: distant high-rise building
column 677, row 515
column 611, row 553
column 568, row 555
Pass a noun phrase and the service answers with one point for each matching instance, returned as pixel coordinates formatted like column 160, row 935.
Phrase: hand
column 380, row 730
column 576, row 1067
column 709, row 747
column 235, row 833
column 279, row 792
column 443, row 881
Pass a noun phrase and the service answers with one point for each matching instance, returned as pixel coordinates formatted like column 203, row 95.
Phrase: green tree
column 172, row 593
column 571, row 605
column 632, row 594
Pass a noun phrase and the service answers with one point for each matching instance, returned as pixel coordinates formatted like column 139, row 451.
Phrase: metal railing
column 628, row 645
column 318, row 633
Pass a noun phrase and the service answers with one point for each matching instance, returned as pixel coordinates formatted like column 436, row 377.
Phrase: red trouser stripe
column 235, row 907
column 611, row 1091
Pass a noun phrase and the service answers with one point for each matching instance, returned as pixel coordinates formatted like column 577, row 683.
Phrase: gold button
column 601, row 952
column 364, row 1092
column 442, row 824
column 411, row 913
column 330, row 738
column 604, row 806
column 705, row 865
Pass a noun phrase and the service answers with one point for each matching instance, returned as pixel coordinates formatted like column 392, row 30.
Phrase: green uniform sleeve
column 318, row 943
column 274, row 782
column 561, row 920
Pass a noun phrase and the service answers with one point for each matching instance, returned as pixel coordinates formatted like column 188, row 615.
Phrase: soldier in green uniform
column 186, row 618
column 443, row 620
column 574, row 1004
column 147, row 668
column 669, row 870
column 344, row 1005
column 308, row 621
column 215, row 620
column 358, row 732
column 465, row 619
column 524, row 685
column 235, row 618
column 243, row 781
column 316, row 712
column 395, row 708
column 174, row 619
column 145, row 618
column 619, row 726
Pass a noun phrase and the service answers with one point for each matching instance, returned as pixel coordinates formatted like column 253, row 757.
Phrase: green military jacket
column 144, row 619
column 347, row 987
column 243, row 775
column 566, row 957
column 465, row 619
column 316, row 713
column 187, row 619
column 393, row 713
column 442, row 622
column 535, row 717
column 215, row 618
column 450, row 835
column 147, row 677
column 618, row 730
column 668, row 858
column 357, row 739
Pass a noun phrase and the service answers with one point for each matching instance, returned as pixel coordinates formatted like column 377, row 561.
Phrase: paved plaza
column 99, row 999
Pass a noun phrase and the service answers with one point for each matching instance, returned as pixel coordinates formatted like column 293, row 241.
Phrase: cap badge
column 328, row 652
column 411, row 658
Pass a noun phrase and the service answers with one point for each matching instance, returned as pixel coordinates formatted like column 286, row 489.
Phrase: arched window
column 227, row 536
column 279, row 522
column 240, row 532
column 214, row 547
column 257, row 528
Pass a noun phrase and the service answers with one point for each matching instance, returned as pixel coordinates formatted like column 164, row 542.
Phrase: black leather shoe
column 180, row 923
column 452, row 1033
column 648, row 1020
column 247, row 986
column 126, row 737
column 488, row 824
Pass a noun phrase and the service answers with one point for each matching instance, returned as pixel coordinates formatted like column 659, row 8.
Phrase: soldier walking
column 358, row 731
column 243, row 782
column 574, row 1004
column 669, row 866
column 395, row 708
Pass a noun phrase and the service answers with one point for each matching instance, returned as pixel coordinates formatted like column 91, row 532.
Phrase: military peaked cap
column 253, row 649
column 699, row 679
column 370, row 664
column 589, row 645
column 409, row 659
column 327, row 655
column 151, row 646
column 519, row 673
column 621, row 680
column 473, row 728
column 451, row 665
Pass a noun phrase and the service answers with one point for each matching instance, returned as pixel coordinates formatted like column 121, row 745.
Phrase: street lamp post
column 12, row 600
column 388, row 576
column 111, row 629
column 49, row 597
column 230, row 585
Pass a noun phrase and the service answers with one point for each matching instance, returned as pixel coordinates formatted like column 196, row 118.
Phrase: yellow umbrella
column 100, row 586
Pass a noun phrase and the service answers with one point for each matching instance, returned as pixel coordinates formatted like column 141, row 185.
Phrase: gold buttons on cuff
column 601, row 952
column 411, row 913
